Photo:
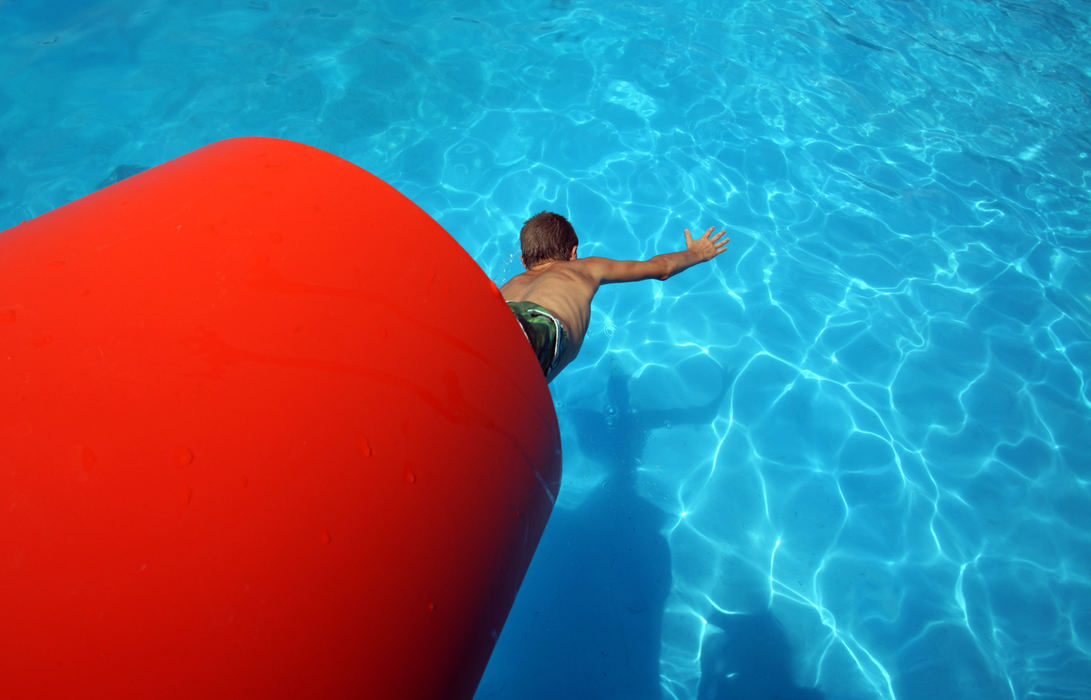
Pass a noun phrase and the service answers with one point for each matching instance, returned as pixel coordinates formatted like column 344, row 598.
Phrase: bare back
column 564, row 287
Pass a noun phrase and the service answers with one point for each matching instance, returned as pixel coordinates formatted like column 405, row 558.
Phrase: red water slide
column 266, row 431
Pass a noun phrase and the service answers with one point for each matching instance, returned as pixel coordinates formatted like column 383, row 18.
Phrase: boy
column 552, row 299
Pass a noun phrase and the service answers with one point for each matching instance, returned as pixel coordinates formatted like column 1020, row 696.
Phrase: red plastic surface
column 266, row 431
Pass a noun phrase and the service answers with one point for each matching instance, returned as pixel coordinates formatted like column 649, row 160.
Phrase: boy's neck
column 543, row 265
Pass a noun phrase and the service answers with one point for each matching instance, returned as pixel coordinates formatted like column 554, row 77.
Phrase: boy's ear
column 572, row 255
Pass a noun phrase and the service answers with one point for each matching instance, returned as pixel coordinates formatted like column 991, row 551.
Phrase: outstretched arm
column 662, row 266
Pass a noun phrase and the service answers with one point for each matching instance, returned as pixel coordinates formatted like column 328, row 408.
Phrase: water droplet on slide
column 87, row 459
column 326, row 537
column 431, row 607
column 410, row 477
column 184, row 456
column 364, row 446
column 186, row 498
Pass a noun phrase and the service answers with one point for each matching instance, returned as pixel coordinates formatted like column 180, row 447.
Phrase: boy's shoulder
column 589, row 263
column 580, row 267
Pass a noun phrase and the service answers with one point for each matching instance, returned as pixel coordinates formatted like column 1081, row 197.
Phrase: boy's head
column 547, row 236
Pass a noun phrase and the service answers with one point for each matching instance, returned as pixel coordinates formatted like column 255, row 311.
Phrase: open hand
column 707, row 246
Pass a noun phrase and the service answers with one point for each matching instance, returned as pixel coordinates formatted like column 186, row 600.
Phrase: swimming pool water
column 847, row 459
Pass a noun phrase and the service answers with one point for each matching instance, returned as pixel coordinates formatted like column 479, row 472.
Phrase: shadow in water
column 748, row 658
column 588, row 618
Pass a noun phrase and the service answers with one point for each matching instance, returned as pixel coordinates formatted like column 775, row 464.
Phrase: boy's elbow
column 660, row 267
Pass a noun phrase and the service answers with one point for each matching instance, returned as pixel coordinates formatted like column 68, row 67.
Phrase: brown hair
column 546, row 236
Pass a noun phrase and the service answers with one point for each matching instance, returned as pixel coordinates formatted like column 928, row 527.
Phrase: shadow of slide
column 748, row 658
column 587, row 621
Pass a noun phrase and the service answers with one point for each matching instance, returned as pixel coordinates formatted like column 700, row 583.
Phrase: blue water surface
column 847, row 459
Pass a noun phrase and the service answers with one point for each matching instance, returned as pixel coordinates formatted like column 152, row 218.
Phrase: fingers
column 708, row 233
column 719, row 241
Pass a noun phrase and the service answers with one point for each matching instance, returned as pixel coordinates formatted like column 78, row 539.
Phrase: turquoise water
column 846, row 459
